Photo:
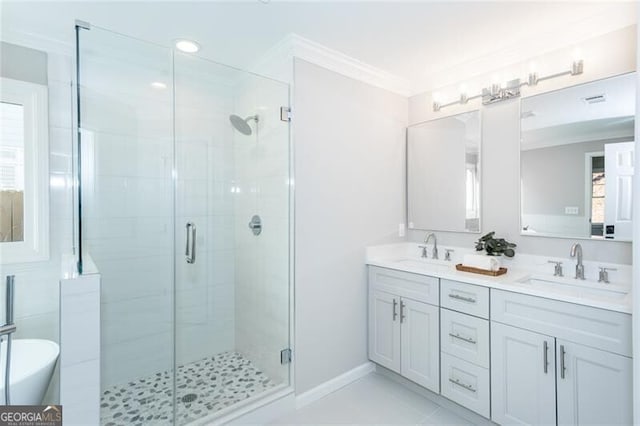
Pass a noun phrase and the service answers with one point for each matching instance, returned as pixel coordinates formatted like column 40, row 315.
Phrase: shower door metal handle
column 190, row 251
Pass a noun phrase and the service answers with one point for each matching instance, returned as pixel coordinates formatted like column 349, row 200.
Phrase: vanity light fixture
column 187, row 46
column 511, row 89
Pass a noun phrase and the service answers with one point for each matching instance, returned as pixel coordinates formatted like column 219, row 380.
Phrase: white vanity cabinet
column 522, row 377
column 558, row 354
column 404, row 325
column 511, row 357
column 595, row 386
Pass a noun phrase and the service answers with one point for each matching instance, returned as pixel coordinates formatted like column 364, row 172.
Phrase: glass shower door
column 232, row 180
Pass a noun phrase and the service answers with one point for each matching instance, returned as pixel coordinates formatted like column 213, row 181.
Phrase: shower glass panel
column 195, row 301
column 126, row 161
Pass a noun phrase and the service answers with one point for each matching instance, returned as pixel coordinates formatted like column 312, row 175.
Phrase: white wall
column 604, row 56
column 349, row 160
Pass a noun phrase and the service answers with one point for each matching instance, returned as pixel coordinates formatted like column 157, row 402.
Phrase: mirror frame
column 548, row 235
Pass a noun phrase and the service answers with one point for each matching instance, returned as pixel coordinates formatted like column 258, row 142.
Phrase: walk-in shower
column 193, row 324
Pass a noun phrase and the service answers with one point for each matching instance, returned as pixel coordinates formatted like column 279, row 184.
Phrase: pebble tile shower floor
column 203, row 387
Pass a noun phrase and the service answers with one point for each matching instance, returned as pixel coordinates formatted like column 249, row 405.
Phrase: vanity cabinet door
column 594, row 387
column 384, row 329
column 420, row 346
column 522, row 386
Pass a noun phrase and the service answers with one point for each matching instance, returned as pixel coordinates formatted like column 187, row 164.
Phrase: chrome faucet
column 557, row 270
column 576, row 251
column 434, row 252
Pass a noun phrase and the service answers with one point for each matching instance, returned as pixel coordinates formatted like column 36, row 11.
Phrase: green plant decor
column 495, row 246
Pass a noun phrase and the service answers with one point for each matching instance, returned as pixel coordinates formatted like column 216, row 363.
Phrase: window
column 11, row 172
column 24, row 172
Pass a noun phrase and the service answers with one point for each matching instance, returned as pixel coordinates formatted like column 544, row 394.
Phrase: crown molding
column 295, row 46
column 334, row 60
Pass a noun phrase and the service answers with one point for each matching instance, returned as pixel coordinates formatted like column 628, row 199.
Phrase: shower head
column 242, row 124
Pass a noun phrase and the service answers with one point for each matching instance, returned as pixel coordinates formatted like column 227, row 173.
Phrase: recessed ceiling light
column 158, row 85
column 187, row 46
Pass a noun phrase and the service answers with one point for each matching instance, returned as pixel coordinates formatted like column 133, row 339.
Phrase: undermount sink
column 576, row 288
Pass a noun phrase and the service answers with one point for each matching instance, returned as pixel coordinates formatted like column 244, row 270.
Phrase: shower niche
column 195, row 307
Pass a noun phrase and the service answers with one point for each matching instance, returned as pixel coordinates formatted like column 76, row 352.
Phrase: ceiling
column 424, row 42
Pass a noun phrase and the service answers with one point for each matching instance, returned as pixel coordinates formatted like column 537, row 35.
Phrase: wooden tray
column 461, row 267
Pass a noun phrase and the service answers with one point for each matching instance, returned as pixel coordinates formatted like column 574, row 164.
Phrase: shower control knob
column 255, row 224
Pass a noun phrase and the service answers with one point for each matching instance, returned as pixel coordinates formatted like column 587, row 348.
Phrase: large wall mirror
column 443, row 174
column 576, row 160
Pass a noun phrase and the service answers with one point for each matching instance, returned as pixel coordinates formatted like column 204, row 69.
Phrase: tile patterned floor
column 216, row 382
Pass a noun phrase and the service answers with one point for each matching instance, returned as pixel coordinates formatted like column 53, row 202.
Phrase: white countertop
column 404, row 257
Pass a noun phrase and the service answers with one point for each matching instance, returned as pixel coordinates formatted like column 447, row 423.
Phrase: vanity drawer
column 466, row 383
column 421, row 288
column 598, row 328
column 465, row 337
column 468, row 298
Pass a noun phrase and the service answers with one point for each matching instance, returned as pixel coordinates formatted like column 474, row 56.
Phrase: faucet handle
column 557, row 270
column 424, row 250
column 447, row 254
column 603, row 276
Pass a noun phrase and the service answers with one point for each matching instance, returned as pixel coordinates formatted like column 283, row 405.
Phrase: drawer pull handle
column 466, row 339
column 402, row 315
column 464, row 299
column 462, row 385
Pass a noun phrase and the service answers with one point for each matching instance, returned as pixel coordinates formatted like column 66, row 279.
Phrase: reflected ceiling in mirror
column 443, row 174
column 576, row 160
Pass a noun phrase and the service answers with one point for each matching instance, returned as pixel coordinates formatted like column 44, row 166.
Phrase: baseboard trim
column 334, row 384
